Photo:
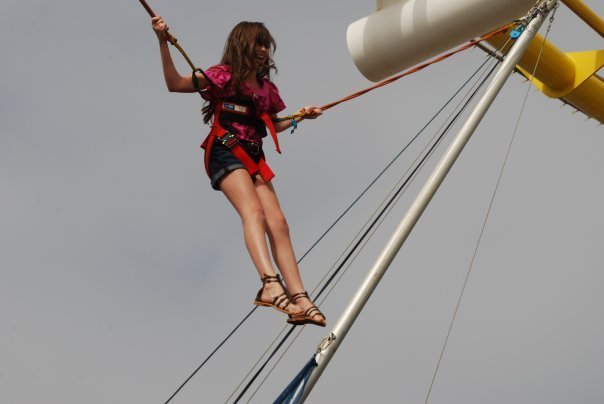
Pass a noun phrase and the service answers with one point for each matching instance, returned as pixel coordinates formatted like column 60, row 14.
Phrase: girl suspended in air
column 241, row 103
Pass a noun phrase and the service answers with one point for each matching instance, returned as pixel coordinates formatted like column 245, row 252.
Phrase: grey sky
column 120, row 268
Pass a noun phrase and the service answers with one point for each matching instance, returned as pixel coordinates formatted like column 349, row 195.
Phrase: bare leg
column 239, row 189
column 280, row 241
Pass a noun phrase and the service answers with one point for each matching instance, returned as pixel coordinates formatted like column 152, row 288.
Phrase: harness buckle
column 229, row 140
column 252, row 147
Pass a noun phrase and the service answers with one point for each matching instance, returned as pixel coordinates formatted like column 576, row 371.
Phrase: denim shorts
column 223, row 161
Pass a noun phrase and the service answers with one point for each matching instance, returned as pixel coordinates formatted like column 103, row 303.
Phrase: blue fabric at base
column 293, row 392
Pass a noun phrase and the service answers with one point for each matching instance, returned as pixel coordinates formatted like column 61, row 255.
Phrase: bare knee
column 254, row 216
column 278, row 225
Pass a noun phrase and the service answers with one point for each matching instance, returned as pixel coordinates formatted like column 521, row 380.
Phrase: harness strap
column 230, row 141
column 271, row 128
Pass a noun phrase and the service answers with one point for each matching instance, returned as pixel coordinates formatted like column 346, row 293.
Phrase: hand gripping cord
column 174, row 42
column 392, row 79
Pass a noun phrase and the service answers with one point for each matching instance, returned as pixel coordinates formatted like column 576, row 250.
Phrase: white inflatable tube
column 407, row 32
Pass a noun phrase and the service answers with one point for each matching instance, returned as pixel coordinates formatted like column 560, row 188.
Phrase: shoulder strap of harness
column 271, row 128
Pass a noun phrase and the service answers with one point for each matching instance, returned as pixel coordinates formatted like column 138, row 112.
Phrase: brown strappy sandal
column 281, row 302
column 309, row 316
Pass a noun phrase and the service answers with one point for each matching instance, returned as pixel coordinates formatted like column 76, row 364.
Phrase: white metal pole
column 331, row 343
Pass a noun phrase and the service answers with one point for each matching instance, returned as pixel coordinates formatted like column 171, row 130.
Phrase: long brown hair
column 239, row 52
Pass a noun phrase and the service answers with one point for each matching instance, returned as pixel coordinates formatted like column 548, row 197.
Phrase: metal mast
column 331, row 343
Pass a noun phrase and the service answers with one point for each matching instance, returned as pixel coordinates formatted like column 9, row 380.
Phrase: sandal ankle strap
column 300, row 295
column 270, row 278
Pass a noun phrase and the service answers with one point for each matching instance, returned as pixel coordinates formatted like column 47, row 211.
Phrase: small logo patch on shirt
column 240, row 109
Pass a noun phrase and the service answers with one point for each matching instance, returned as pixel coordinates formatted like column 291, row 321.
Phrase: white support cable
column 407, row 224
column 484, row 224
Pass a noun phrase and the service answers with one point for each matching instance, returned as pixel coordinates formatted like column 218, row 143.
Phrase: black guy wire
column 392, row 161
column 211, row 354
column 249, row 384
column 404, row 184
column 392, row 199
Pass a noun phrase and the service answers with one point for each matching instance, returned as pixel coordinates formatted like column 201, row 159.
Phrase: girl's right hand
column 160, row 28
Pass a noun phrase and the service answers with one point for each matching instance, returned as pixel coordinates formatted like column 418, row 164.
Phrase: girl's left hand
column 160, row 28
column 311, row 111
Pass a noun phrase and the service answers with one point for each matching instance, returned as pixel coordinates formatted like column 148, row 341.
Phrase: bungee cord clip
column 325, row 343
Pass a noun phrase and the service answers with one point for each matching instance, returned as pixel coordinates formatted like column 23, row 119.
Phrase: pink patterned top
column 266, row 99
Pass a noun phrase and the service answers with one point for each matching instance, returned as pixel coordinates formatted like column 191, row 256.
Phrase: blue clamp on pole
column 294, row 125
column 517, row 31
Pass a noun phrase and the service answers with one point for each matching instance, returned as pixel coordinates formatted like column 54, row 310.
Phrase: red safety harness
column 230, row 140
